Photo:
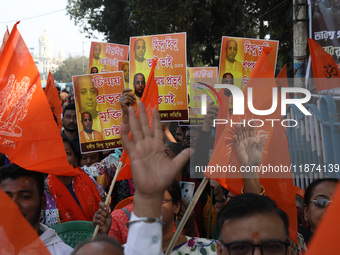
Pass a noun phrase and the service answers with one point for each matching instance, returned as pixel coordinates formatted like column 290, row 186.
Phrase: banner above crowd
column 239, row 56
column 104, row 57
column 199, row 80
column 170, row 71
column 99, row 112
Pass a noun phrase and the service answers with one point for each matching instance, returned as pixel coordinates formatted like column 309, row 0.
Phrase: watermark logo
column 238, row 100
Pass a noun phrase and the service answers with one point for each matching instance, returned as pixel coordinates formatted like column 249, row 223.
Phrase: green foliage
column 69, row 67
column 204, row 21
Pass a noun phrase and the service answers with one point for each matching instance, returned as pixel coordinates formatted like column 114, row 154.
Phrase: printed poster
column 104, row 57
column 326, row 26
column 239, row 56
column 199, row 80
column 125, row 67
column 98, row 110
column 170, row 71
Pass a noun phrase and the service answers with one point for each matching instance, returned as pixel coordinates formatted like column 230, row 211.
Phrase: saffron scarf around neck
column 85, row 191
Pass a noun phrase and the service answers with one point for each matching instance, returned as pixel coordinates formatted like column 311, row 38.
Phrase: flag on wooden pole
column 28, row 133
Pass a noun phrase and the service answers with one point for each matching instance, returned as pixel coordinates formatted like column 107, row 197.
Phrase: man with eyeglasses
column 139, row 84
column 127, row 99
column 252, row 224
column 88, row 134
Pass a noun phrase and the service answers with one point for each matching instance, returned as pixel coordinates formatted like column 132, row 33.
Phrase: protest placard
column 104, row 57
column 99, row 112
column 170, row 71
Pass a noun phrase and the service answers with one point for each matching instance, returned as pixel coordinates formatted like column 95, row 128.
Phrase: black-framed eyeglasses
column 247, row 248
column 140, row 82
column 321, row 202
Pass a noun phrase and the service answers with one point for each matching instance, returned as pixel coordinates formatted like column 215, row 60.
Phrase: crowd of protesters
column 221, row 222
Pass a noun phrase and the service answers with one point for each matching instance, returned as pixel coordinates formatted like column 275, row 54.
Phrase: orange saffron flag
column 277, row 184
column 4, row 40
column 29, row 135
column 325, row 70
column 16, row 235
column 223, row 113
column 150, row 100
column 53, row 99
column 325, row 240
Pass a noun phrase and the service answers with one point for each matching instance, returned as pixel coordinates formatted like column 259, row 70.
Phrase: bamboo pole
column 186, row 215
column 119, row 167
column 210, row 209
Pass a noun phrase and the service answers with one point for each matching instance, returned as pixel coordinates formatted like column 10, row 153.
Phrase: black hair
column 175, row 192
column 100, row 238
column 14, row 172
column 310, row 189
column 71, row 107
column 175, row 147
column 73, row 148
column 92, row 68
column 249, row 204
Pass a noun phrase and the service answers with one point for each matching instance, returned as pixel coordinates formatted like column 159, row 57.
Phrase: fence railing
column 314, row 144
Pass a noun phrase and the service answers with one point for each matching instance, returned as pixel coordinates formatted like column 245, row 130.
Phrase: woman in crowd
column 317, row 196
column 70, row 198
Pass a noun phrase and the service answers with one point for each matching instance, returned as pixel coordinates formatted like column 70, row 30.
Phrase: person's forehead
column 140, row 42
column 90, row 155
column 326, row 188
column 86, row 83
column 23, row 183
column 226, row 76
column 254, row 228
column 97, row 46
column 179, row 130
column 86, row 115
column 139, row 77
column 231, row 44
column 70, row 112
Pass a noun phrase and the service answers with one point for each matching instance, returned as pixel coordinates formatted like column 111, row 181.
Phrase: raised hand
column 126, row 99
column 153, row 172
column 249, row 151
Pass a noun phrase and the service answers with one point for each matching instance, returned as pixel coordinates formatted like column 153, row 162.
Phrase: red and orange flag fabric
column 223, row 113
column 150, row 100
column 277, row 184
column 29, row 135
column 324, row 66
column 16, row 235
column 325, row 239
column 281, row 79
column 53, row 98
column 4, row 40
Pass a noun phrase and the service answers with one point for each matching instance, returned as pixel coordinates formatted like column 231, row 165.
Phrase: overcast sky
column 37, row 15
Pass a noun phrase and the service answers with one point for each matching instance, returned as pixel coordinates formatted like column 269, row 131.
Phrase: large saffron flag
column 16, row 235
column 325, row 70
column 28, row 133
column 277, row 184
column 53, row 99
column 325, row 240
column 150, row 100
column 4, row 40
column 223, row 113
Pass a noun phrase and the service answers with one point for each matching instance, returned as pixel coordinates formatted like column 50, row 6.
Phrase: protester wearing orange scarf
column 86, row 193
